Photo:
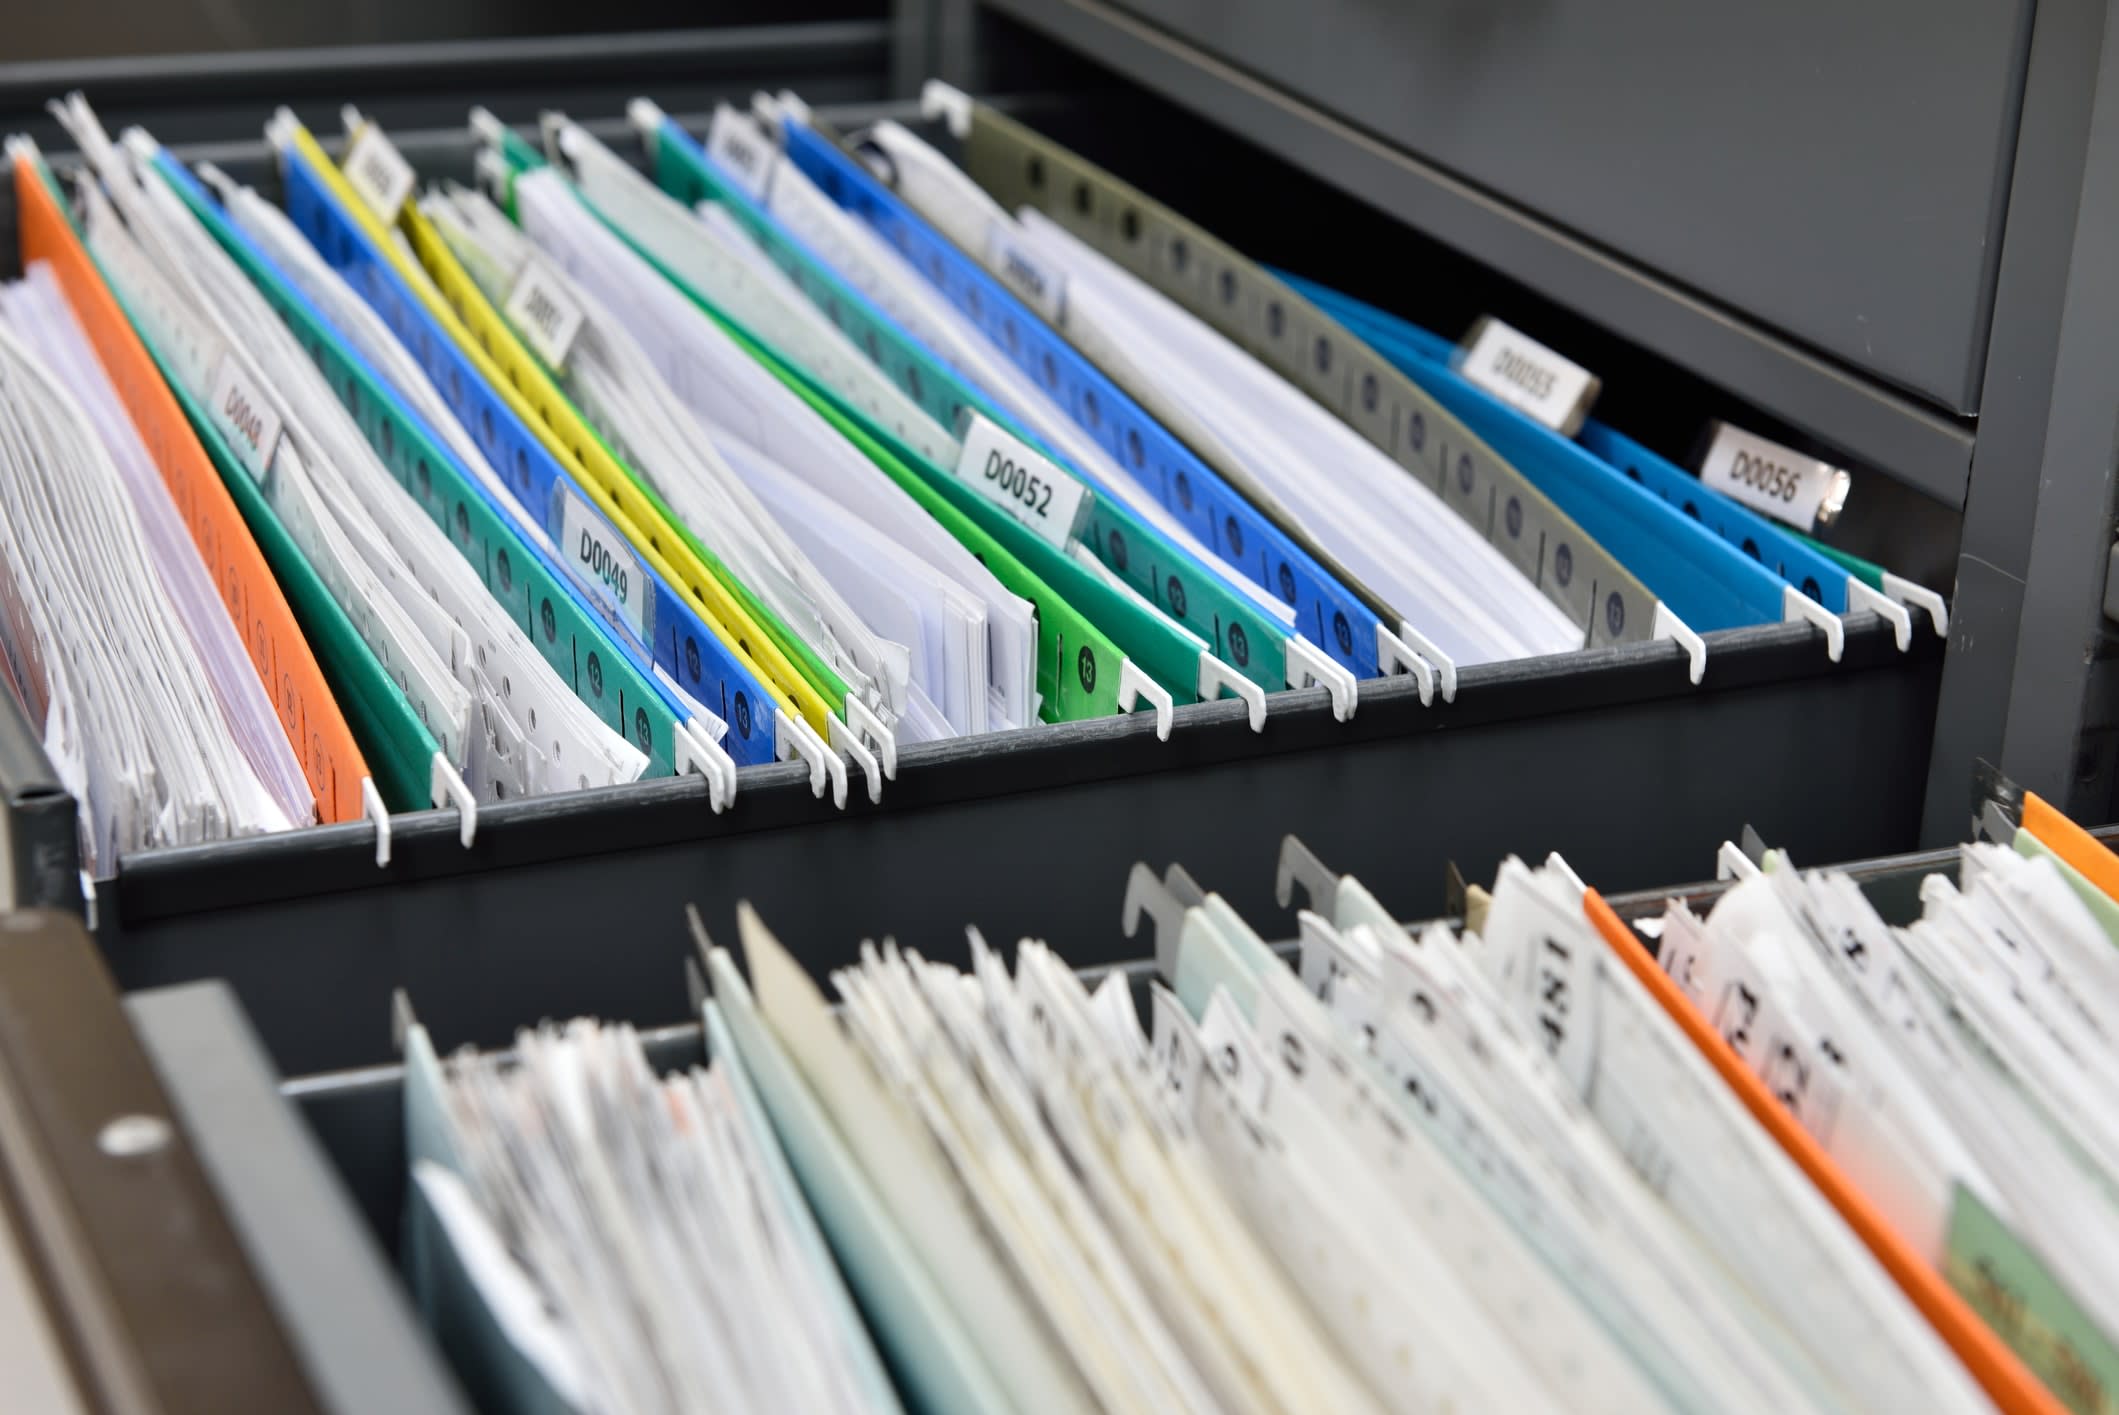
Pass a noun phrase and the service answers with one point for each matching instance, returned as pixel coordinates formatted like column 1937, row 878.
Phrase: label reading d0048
column 605, row 566
column 744, row 155
column 1026, row 484
column 246, row 419
column 1768, row 477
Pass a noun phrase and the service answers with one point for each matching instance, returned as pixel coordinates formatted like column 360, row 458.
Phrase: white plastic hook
column 487, row 128
column 446, row 787
column 1307, row 665
column 1134, row 685
column 372, row 808
column 350, row 118
column 1669, row 626
column 1860, row 596
column 696, row 751
column 1145, row 894
column 1797, row 605
column 1411, row 640
column 1394, row 655
column 1730, row 862
column 1920, row 597
column 224, row 186
column 871, row 730
column 846, row 742
column 1183, row 888
column 1299, row 864
column 646, row 117
column 793, row 737
column 952, row 105
column 490, row 170
column 1214, row 675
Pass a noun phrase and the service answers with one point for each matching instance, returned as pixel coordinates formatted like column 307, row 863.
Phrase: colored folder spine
column 1169, row 578
column 331, row 757
column 2005, row 1379
column 504, row 399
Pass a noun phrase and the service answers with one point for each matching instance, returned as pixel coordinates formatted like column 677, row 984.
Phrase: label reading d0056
column 1027, row 485
column 612, row 574
column 1768, row 477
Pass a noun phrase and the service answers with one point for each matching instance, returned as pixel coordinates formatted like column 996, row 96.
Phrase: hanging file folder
column 605, row 674
column 1080, row 672
column 518, row 417
column 285, row 661
column 1347, row 628
column 1245, row 303
column 1239, row 635
column 1999, row 1373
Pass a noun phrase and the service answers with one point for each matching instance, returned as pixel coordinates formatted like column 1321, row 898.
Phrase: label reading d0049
column 605, row 566
column 1768, row 477
column 1027, row 485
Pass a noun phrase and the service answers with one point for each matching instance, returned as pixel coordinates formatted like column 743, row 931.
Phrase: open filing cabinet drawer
column 574, row 904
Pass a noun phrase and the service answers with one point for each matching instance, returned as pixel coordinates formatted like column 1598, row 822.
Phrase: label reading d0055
column 1027, row 485
column 1768, row 477
column 612, row 574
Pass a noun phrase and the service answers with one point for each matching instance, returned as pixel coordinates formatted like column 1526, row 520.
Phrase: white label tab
column 244, row 416
column 614, row 576
column 379, row 172
column 742, row 153
column 544, row 314
column 1035, row 282
column 1002, row 468
column 1527, row 376
column 1771, row 478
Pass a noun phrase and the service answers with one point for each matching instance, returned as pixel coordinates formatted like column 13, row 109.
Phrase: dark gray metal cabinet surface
column 1833, row 170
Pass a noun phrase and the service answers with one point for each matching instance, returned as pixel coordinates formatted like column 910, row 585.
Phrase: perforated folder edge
column 331, row 758
column 2092, row 859
column 2005, row 1379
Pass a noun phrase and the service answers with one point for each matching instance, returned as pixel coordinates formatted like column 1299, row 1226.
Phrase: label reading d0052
column 1777, row 480
column 605, row 566
column 1027, row 485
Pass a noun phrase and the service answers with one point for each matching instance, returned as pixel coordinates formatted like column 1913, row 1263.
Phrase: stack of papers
column 1499, row 1166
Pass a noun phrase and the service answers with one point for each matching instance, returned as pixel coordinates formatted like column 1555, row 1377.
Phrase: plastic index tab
column 1301, row 343
column 514, row 413
column 1340, row 621
column 331, row 758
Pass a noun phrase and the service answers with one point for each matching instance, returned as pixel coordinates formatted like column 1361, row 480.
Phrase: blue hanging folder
column 1707, row 581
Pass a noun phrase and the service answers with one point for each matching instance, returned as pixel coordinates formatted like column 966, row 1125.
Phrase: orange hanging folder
column 331, row 760
column 2090, row 858
column 2006, row 1380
